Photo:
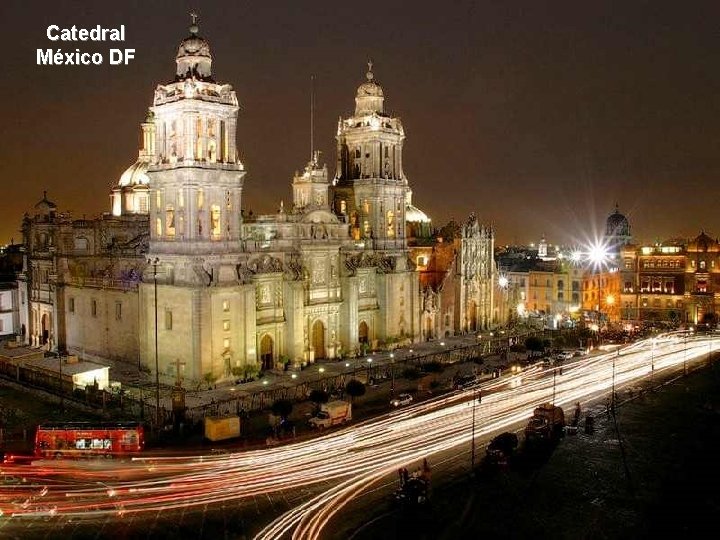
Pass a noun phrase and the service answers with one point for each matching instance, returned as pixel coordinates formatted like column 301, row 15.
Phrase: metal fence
column 131, row 406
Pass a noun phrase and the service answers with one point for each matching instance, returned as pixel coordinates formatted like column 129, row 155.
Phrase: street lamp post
column 154, row 262
column 392, row 374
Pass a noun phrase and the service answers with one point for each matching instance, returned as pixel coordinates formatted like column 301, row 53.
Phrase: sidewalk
column 226, row 389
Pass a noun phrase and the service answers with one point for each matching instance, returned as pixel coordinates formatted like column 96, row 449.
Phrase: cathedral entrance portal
column 429, row 328
column 473, row 316
column 45, row 332
column 363, row 333
column 318, row 339
column 266, row 352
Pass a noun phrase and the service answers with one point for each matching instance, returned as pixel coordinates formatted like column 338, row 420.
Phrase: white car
column 402, row 399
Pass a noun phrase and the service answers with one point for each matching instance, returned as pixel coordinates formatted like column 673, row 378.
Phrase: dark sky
column 538, row 115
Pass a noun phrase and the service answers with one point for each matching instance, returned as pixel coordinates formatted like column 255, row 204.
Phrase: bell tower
column 369, row 187
column 196, row 178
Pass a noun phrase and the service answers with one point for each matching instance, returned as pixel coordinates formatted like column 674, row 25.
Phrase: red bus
column 88, row 439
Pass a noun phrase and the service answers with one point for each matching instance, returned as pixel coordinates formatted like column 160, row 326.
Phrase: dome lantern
column 369, row 98
column 194, row 59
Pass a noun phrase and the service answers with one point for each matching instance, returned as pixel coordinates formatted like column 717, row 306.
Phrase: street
column 305, row 486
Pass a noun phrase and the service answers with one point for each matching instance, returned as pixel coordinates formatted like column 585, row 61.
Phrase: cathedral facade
column 176, row 273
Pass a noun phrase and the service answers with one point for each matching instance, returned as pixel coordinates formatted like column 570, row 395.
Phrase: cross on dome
column 194, row 26
column 369, row 73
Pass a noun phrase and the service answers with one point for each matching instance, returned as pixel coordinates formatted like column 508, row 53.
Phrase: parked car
column 464, row 382
column 401, row 399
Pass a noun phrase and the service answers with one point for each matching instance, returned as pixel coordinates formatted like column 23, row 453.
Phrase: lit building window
column 215, row 220
column 226, row 305
column 343, row 207
column 226, row 325
column 390, row 222
column 170, row 221
column 226, row 343
column 158, row 199
column 158, row 226
column 181, row 198
column 366, row 207
column 200, row 198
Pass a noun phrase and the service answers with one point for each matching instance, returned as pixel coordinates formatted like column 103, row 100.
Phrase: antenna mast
column 312, row 118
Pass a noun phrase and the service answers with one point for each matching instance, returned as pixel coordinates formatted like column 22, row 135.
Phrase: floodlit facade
column 176, row 266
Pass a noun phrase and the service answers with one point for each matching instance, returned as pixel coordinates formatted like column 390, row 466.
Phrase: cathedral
column 176, row 273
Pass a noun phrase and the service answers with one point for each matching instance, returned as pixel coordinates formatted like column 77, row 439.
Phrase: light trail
column 348, row 460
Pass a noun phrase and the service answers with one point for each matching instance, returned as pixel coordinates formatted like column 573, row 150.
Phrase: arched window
column 343, row 207
column 215, row 220
column 390, row 223
column 170, row 220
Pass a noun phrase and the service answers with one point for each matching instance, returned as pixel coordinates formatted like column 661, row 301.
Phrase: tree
column 210, row 378
column 450, row 231
column 411, row 373
column 354, row 388
column 534, row 344
column 282, row 408
column 432, row 367
column 318, row 397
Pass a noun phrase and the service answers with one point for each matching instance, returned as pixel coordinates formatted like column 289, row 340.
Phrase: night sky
column 538, row 115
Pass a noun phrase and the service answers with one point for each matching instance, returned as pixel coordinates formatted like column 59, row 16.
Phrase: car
column 464, row 382
column 402, row 399
column 562, row 355
column 8, row 458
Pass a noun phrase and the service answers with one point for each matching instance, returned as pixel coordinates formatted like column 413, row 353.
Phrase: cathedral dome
column 135, row 175
column 193, row 57
column 617, row 224
column 414, row 215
